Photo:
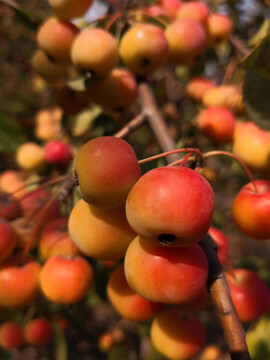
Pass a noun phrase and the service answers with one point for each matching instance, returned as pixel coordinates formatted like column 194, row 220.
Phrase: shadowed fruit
column 11, row 335
column 127, row 302
column 7, row 239
column 176, row 335
column 68, row 9
column 100, row 233
column 38, row 332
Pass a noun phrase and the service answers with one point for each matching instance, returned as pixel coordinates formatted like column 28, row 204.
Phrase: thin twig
column 134, row 124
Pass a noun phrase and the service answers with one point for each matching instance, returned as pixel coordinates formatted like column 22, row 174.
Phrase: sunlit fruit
column 197, row 86
column 105, row 170
column 194, row 10
column 19, row 281
column 173, row 205
column 177, row 335
column 49, row 124
column 218, row 27
column 55, row 38
column 165, row 274
column 13, row 182
column 100, row 233
column 30, row 156
column 126, row 301
column 250, row 294
column 251, row 208
column 58, row 153
column 186, row 39
column 170, row 7
column 68, row 9
column 217, row 123
column 144, row 48
column 252, row 145
column 94, row 50
column 65, row 279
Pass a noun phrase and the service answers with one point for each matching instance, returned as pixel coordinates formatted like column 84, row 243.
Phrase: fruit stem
column 176, row 151
column 182, row 163
column 40, row 215
column 238, row 159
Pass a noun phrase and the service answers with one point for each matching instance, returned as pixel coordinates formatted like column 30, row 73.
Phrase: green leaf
column 258, row 59
column 60, row 343
column 256, row 90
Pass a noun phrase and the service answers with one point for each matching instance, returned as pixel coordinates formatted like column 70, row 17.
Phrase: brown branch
column 134, row 124
column 220, row 293
column 155, row 120
column 239, row 46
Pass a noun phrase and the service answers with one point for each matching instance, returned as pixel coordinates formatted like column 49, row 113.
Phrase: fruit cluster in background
column 84, row 222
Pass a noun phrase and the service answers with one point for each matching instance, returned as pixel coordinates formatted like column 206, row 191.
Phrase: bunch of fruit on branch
column 148, row 226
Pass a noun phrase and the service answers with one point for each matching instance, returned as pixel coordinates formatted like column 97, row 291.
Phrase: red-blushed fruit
column 19, row 281
column 173, row 205
column 10, row 208
column 58, row 152
column 106, row 342
column 154, row 10
column 36, row 201
column 68, row 9
column 222, row 243
column 55, row 38
column 49, row 71
column 94, row 50
column 219, row 28
column 177, row 335
column 38, row 332
column 211, row 352
column 7, row 239
column 218, row 123
column 117, row 91
column 105, row 169
column 55, row 240
column 100, row 233
column 144, row 49
column 170, row 7
column 165, row 274
column 30, row 156
column 249, row 293
column 11, row 335
column 194, row 10
column 66, row 280
column 251, row 209
column 198, row 86
column 252, row 145
column 186, row 39
column 126, row 301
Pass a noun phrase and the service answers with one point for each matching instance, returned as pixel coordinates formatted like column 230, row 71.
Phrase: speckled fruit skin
column 19, row 281
column 106, row 168
column 165, row 274
column 144, row 49
column 176, row 335
column 186, row 39
column 251, row 209
column 250, row 294
column 100, row 233
column 217, row 123
column 95, row 50
column 69, row 9
column 175, row 201
column 66, row 280
column 126, row 301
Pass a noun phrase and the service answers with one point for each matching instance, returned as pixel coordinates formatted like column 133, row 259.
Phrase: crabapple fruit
column 38, row 332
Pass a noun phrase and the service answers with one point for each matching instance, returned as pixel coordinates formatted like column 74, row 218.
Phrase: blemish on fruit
column 76, row 177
